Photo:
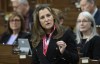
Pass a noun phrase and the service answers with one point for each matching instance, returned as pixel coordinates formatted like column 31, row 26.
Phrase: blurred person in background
column 87, row 37
column 60, row 15
column 15, row 30
column 90, row 6
column 23, row 7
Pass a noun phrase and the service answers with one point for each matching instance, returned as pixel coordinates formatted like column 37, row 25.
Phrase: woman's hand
column 62, row 45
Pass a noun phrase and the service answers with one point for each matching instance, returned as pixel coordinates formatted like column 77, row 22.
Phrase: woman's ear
column 61, row 21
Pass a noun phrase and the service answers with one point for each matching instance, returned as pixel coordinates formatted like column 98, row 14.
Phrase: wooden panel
column 2, row 23
column 68, row 9
column 98, row 3
column 0, row 5
column 8, row 57
column 14, row 59
column 6, row 50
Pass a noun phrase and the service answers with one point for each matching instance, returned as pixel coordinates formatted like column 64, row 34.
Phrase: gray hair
column 93, row 26
column 91, row 1
column 23, row 1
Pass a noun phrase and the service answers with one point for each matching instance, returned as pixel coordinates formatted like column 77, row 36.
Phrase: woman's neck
column 15, row 32
column 48, row 31
column 86, row 34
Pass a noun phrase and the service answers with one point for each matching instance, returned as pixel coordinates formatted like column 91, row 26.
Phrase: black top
column 53, row 55
column 5, row 37
column 91, row 48
column 83, row 41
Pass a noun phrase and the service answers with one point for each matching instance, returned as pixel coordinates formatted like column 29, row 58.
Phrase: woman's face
column 15, row 23
column 46, row 19
column 84, row 24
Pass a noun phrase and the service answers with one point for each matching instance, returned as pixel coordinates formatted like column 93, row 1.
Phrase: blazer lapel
column 7, row 38
column 41, row 55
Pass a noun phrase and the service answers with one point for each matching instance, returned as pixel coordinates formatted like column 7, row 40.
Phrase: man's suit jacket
column 29, row 18
column 97, row 17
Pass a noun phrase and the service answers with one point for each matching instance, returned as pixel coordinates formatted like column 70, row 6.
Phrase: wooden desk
column 8, row 57
column 85, row 60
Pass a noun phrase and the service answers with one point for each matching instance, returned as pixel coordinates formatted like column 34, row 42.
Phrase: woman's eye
column 42, row 17
column 78, row 21
column 48, row 15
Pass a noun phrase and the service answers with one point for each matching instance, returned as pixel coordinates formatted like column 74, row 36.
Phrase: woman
column 15, row 29
column 87, row 38
column 52, row 43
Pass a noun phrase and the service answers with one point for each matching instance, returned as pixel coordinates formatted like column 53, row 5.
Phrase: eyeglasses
column 15, row 20
column 82, row 20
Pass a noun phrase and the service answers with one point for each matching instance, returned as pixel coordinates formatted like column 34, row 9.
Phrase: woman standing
column 52, row 43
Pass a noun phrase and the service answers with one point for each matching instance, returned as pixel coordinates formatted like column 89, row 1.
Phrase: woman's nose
column 46, row 18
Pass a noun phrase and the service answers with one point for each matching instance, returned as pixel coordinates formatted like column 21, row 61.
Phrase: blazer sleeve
column 4, row 38
column 70, row 52
column 35, row 59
